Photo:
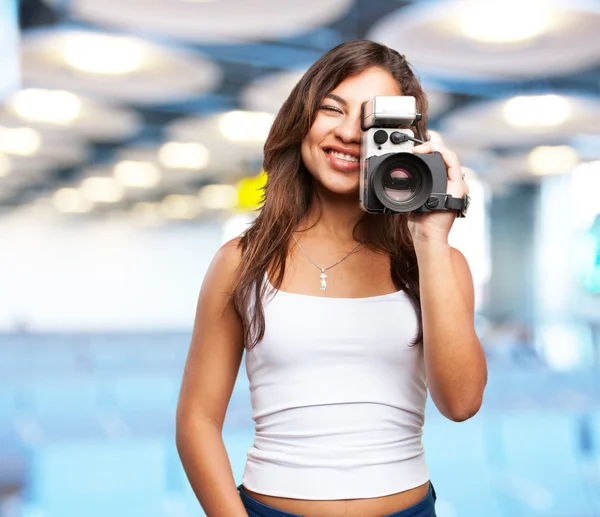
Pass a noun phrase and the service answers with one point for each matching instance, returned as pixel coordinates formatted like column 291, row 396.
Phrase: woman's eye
column 331, row 108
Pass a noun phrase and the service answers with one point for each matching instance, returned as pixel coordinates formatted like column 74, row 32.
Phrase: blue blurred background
column 130, row 150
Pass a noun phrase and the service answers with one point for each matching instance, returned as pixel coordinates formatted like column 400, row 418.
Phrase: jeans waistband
column 424, row 508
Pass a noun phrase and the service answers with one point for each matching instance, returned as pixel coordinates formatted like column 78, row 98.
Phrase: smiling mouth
column 342, row 156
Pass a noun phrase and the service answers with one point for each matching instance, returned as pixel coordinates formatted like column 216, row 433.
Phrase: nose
column 348, row 130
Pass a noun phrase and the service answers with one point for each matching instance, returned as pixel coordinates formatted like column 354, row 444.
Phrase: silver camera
column 392, row 178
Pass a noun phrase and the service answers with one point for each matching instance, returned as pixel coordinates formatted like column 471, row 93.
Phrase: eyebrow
column 337, row 98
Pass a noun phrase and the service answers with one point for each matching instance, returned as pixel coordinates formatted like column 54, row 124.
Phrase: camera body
column 392, row 178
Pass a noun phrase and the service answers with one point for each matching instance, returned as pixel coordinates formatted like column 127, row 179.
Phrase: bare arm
column 454, row 359
column 210, row 372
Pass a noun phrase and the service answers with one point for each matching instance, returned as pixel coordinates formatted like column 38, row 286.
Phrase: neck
column 332, row 215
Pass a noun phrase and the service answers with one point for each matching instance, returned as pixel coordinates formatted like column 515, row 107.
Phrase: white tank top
column 338, row 397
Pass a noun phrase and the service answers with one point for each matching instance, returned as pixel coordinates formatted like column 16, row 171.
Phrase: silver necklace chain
column 323, row 276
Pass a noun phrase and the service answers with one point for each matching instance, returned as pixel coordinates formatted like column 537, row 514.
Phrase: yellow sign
column 250, row 191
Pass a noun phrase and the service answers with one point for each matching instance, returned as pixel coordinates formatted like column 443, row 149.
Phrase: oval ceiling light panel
column 231, row 156
column 103, row 54
column 214, row 21
column 66, row 112
column 523, row 120
column 479, row 40
column 119, row 68
column 497, row 22
column 537, row 111
column 269, row 92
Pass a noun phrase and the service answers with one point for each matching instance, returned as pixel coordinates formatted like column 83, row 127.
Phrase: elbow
column 462, row 416
column 190, row 425
column 461, row 406
column 464, row 411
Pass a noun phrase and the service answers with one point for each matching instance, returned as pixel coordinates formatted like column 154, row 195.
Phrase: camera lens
column 398, row 185
column 402, row 182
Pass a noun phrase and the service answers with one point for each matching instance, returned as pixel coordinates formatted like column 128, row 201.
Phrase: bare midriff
column 371, row 507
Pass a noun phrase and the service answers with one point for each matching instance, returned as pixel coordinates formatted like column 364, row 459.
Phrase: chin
column 342, row 186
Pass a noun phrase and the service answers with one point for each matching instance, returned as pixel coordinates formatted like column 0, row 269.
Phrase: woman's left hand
column 435, row 226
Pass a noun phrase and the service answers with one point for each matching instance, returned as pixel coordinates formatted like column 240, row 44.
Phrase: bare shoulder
column 232, row 249
column 227, row 259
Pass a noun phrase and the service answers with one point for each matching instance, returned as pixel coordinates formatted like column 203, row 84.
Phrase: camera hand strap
column 460, row 204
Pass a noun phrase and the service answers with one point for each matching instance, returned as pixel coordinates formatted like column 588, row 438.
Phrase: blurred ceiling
column 160, row 98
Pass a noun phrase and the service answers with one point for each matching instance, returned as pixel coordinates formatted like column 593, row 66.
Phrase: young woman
column 347, row 319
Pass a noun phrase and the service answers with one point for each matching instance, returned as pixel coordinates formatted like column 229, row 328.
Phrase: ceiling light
column 131, row 173
column 147, row 213
column 504, row 22
column 184, row 155
column 218, row 197
column 249, row 126
column 56, row 107
column 4, row 165
column 22, row 141
column 552, row 159
column 180, row 206
column 537, row 111
column 71, row 200
column 103, row 54
column 102, row 189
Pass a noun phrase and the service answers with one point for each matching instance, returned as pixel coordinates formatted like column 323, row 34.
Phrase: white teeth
column 342, row 156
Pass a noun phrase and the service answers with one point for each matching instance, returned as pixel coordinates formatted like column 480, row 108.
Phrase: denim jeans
column 424, row 508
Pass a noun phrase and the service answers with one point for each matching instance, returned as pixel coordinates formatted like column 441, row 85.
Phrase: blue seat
column 447, row 442
column 102, row 507
column 110, row 358
column 594, row 428
column 543, row 463
column 542, row 439
column 58, row 427
column 525, row 494
column 70, row 395
column 468, row 493
column 8, row 402
column 592, row 467
column 69, row 472
column 142, row 392
column 458, row 459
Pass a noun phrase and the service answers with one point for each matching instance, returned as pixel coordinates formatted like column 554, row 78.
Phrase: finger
column 450, row 159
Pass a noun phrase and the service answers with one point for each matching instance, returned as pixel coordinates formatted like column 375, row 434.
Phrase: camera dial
column 380, row 137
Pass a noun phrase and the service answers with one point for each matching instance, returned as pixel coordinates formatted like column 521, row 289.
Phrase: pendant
column 323, row 276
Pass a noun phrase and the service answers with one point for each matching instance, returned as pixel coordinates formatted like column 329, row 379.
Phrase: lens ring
column 417, row 169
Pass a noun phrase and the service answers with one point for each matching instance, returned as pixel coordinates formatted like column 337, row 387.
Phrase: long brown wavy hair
column 288, row 193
